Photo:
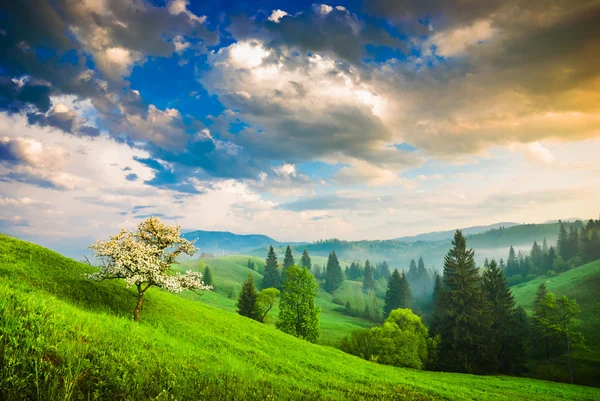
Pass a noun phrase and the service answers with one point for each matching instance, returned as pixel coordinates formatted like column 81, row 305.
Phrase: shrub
column 514, row 280
column 402, row 340
column 530, row 277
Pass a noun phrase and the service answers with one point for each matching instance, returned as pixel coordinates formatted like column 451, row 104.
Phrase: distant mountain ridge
column 444, row 235
column 225, row 242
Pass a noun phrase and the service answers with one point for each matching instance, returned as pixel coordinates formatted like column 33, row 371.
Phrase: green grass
column 63, row 337
column 583, row 285
column 232, row 271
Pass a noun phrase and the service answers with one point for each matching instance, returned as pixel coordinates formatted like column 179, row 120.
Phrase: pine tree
column 536, row 256
column 385, row 270
column 393, row 296
column 271, row 276
column 423, row 281
column 439, row 298
column 207, row 278
column 562, row 244
column 508, row 347
column 305, row 261
column 298, row 313
column 545, row 247
column 246, row 302
column 288, row 260
column 511, row 262
column 538, row 314
column 405, row 292
column 467, row 318
column 486, row 263
column 368, row 280
column 333, row 274
column 413, row 274
column 573, row 243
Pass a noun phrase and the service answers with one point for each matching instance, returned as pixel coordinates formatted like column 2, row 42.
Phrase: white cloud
column 535, row 152
column 177, row 7
column 322, row 9
column 277, row 15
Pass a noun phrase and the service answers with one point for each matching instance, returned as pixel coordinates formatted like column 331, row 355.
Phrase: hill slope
column 63, row 337
column 583, row 285
column 229, row 272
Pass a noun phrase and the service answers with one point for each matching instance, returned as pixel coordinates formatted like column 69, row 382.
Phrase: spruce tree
column 439, row 298
column 334, row 277
column 298, row 313
column 246, row 302
column 385, row 270
column 511, row 262
column 423, row 280
column 271, row 276
column 467, row 320
column 539, row 334
column 288, row 260
column 368, row 280
column 207, row 278
column 507, row 345
column 305, row 261
column 405, row 292
column 393, row 299
column 573, row 243
column 413, row 274
column 562, row 244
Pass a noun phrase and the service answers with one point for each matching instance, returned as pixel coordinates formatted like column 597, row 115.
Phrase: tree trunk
column 569, row 358
column 138, row 307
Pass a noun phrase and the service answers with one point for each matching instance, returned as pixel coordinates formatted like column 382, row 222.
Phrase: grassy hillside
column 583, row 285
column 62, row 337
column 229, row 272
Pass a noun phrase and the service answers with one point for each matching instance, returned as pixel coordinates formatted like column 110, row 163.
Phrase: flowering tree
column 143, row 258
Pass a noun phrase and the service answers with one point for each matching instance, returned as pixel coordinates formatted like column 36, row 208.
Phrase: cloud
column 30, row 152
column 329, row 31
column 277, row 15
column 19, row 202
column 535, row 152
column 321, row 108
column 455, row 41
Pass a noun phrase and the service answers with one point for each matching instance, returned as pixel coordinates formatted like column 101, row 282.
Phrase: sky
column 298, row 120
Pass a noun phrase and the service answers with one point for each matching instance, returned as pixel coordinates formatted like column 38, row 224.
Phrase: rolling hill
column 583, row 285
column 63, row 337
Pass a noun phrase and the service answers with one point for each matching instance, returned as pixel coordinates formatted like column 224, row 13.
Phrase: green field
column 583, row 285
column 63, row 337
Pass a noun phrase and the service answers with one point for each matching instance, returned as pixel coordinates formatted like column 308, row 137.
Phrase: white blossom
column 143, row 258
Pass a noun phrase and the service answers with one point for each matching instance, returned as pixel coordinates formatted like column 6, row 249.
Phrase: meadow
column 64, row 337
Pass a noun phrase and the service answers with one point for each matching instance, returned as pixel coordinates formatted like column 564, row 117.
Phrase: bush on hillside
column 402, row 340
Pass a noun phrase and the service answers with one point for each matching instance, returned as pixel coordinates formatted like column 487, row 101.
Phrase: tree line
column 574, row 247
